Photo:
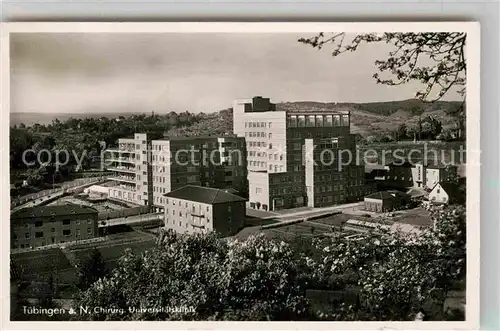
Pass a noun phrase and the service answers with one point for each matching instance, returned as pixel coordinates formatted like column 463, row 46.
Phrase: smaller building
column 48, row 225
column 386, row 201
column 198, row 209
column 445, row 193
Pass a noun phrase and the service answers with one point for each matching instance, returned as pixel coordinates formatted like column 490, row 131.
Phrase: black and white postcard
column 187, row 175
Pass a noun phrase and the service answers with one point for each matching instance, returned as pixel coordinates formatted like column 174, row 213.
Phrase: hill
column 366, row 118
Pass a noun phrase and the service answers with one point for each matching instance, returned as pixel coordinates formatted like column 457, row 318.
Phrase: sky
column 78, row 73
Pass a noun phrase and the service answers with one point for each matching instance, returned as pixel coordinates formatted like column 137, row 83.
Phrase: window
column 89, row 222
column 301, row 121
column 39, row 234
column 310, row 121
column 38, row 224
column 270, row 135
column 89, row 231
column 66, row 222
column 66, row 232
column 319, row 120
column 27, row 235
column 336, row 120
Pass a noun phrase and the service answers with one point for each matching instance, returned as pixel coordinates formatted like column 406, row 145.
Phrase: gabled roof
column 387, row 195
column 452, row 189
column 54, row 210
column 203, row 194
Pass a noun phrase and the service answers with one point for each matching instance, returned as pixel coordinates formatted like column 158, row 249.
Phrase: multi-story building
column 286, row 150
column 131, row 164
column 48, row 225
column 196, row 209
column 150, row 168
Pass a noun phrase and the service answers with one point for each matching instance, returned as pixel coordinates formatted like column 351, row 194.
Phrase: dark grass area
column 41, row 261
column 40, row 266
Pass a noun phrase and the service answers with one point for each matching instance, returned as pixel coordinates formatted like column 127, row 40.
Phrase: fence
column 124, row 213
column 33, row 196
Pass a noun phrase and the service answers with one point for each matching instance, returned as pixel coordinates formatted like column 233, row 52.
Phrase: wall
column 271, row 154
column 229, row 217
column 180, row 217
column 374, row 205
column 258, row 188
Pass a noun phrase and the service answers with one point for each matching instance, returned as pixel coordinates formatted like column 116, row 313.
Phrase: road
column 130, row 220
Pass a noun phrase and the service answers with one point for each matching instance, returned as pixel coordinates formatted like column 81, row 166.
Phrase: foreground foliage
column 394, row 275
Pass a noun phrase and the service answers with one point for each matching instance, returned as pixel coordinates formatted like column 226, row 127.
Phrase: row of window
column 295, row 121
column 285, row 190
column 397, row 178
column 66, row 232
column 251, row 144
column 195, row 216
column 40, row 223
column 329, row 198
column 286, row 178
column 328, row 188
column 258, row 134
column 258, row 124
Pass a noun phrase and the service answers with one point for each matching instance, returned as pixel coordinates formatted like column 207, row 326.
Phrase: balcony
column 121, row 150
column 123, row 178
column 197, row 226
column 121, row 159
column 121, row 169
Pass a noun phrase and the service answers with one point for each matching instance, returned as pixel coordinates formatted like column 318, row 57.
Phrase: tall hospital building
column 293, row 156
column 145, row 170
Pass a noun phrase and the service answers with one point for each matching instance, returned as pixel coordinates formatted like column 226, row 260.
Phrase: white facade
column 439, row 195
column 185, row 216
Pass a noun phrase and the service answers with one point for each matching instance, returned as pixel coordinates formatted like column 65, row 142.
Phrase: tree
column 211, row 279
column 91, row 269
column 445, row 50
column 401, row 133
column 398, row 273
column 16, row 285
column 430, row 128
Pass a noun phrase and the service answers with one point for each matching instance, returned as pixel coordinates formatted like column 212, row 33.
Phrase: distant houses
column 417, row 179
